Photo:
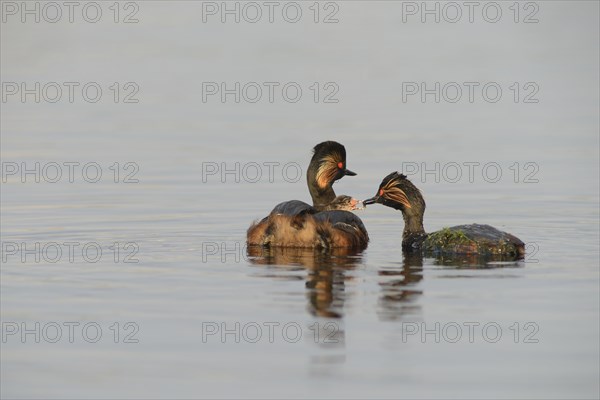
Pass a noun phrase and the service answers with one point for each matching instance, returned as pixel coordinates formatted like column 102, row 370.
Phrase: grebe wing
column 293, row 207
column 341, row 219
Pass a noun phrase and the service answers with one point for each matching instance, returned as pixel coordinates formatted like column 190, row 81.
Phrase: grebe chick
column 398, row 192
column 295, row 207
column 344, row 203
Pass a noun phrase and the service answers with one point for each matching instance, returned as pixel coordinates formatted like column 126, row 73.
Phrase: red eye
column 381, row 192
column 340, row 165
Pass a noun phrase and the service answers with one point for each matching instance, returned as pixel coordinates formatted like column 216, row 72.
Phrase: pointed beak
column 372, row 200
column 349, row 173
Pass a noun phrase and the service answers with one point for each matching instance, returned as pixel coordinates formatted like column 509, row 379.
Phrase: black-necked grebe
column 328, row 223
column 398, row 192
column 327, row 165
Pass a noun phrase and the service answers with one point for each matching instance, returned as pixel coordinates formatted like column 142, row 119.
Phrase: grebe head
column 346, row 203
column 328, row 164
column 398, row 192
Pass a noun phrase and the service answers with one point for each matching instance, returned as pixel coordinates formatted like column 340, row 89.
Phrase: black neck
column 325, row 207
column 414, row 233
column 321, row 197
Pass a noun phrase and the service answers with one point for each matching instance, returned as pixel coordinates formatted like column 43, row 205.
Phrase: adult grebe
column 398, row 192
column 328, row 223
column 327, row 165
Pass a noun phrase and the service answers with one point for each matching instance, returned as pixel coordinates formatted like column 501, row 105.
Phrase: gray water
column 358, row 325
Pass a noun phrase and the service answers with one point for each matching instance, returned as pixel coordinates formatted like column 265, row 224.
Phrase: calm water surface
column 297, row 323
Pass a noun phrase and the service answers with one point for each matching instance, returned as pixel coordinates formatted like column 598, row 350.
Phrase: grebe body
column 328, row 223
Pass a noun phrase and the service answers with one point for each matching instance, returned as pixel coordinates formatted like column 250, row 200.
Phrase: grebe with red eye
column 328, row 223
column 396, row 191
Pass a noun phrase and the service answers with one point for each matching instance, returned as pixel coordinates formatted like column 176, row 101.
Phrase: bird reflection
column 327, row 274
column 475, row 261
column 398, row 295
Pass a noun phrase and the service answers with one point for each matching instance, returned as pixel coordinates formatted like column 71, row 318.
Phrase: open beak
column 349, row 173
column 356, row 204
column 372, row 200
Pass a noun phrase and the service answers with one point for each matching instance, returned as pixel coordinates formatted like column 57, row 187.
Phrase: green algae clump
column 448, row 240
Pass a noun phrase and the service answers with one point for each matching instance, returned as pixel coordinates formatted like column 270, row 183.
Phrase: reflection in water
column 398, row 296
column 325, row 286
column 326, row 279
column 476, row 261
column 328, row 274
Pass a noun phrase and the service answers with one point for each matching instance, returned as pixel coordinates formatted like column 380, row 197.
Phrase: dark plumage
column 355, row 236
column 293, row 207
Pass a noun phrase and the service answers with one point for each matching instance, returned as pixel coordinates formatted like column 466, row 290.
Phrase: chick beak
column 356, row 204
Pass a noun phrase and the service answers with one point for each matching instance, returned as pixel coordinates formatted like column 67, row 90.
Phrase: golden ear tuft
column 328, row 169
column 394, row 193
column 398, row 196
